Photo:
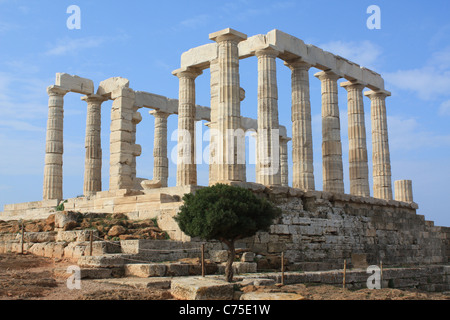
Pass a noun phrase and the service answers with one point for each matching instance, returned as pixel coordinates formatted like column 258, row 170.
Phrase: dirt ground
column 31, row 277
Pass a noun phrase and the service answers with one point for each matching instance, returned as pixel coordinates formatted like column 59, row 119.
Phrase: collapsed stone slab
column 198, row 288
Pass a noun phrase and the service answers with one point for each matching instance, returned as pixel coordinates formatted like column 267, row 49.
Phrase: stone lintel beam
column 74, row 83
column 290, row 48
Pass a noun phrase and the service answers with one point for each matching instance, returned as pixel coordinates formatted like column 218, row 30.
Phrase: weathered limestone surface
column 268, row 159
column 382, row 185
column 403, row 190
column 54, row 148
column 318, row 230
column 93, row 145
column 160, row 159
column 229, row 152
column 358, row 161
column 123, row 149
column 198, row 288
column 186, row 166
column 74, row 83
column 284, row 166
column 332, row 174
column 302, row 146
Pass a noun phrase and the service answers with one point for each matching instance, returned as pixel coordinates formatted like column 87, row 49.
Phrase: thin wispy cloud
column 429, row 82
column 365, row 53
column 72, row 46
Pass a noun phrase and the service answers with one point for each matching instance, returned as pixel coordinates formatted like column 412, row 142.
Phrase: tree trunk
column 231, row 257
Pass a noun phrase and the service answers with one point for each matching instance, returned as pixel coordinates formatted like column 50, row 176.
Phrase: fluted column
column 284, row 167
column 333, row 180
column 302, row 144
column 382, row 185
column 214, row 93
column 93, row 146
column 403, row 190
column 161, row 161
column 53, row 169
column 230, row 166
column 357, row 157
column 186, row 167
column 268, row 126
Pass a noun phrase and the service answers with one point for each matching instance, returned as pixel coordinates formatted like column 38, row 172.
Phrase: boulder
column 116, row 231
column 201, row 288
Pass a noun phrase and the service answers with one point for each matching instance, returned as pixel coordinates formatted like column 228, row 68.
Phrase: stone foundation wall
column 319, row 230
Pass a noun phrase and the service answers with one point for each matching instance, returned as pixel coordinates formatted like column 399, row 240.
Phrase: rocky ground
column 109, row 226
column 31, row 277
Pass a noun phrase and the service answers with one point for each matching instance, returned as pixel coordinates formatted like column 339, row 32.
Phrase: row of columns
column 225, row 114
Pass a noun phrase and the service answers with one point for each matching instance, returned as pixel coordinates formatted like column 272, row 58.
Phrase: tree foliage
column 225, row 213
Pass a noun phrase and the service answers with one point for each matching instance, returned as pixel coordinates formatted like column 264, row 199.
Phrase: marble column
column 284, row 167
column 123, row 149
column 382, row 185
column 93, row 146
column 268, row 126
column 403, row 190
column 186, row 166
column 214, row 83
column 333, row 175
column 228, row 113
column 161, row 161
column 53, row 169
column 302, row 144
column 357, row 157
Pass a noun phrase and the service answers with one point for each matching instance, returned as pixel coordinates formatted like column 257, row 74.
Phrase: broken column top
column 106, row 87
column 227, row 33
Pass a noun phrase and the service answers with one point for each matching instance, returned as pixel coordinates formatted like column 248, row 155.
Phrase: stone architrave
column 186, row 166
column 403, row 190
column 357, row 157
column 93, row 146
column 123, row 150
column 161, row 161
column 333, row 175
column 302, row 144
column 268, row 126
column 382, row 184
column 284, row 167
column 54, row 148
column 229, row 135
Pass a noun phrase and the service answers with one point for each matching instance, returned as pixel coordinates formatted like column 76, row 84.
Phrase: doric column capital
column 327, row 75
column 55, row 90
column 159, row 114
column 269, row 50
column 93, row 98
column 227, row 34
column 187, row 72
column 297, row 64
column 353, row 85
column 377, row 93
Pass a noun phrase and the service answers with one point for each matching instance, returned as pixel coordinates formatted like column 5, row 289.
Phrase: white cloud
column 68, row 45
column 429, row 82
column 365, row 53
column 444, row 109
column 408, row 134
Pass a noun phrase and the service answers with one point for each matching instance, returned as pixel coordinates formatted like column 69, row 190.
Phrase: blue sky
column 143, row 41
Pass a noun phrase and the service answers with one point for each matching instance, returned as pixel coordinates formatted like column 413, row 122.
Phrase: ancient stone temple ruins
column 317, row 226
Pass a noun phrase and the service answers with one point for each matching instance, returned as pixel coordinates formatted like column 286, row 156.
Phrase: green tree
column 225, row 213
